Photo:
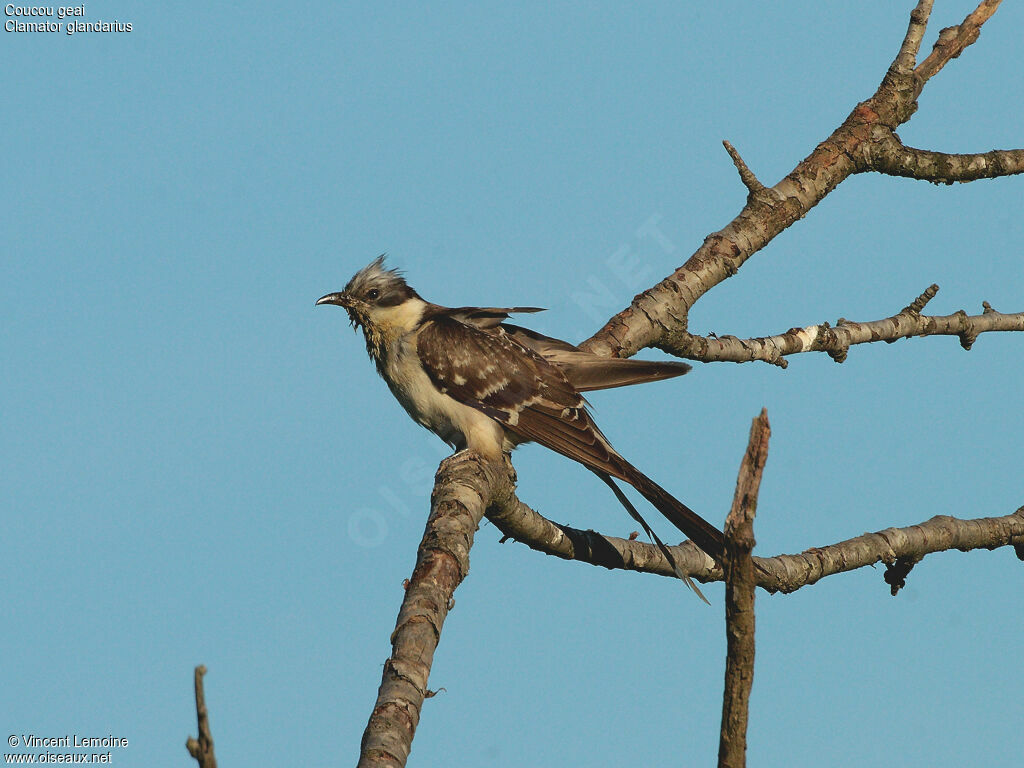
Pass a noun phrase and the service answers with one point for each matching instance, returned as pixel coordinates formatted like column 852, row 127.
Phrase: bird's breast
column 458, row 424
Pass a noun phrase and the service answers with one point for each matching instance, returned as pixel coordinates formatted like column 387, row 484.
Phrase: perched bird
column 485, row 385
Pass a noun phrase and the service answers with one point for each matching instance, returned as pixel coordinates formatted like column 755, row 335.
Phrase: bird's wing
column 483, row 317
column 586, row 371
column 515, row 386
column 545, row 346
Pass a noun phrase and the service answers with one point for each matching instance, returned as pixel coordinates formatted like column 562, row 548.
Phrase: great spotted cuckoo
column 485, row 385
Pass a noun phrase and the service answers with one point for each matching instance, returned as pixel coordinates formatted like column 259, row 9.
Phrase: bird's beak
column 335, row 298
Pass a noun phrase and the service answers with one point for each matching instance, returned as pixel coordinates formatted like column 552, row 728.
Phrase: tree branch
column 739, row 599
column 461, row 493
column 519, row 522
column 939, row 534
column 890, row 156
column 953, row 40
column 781, row 573
column 202, row 748
column 836, row 340
column 903, row 65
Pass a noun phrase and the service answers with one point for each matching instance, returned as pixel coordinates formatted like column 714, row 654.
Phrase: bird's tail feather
column 693, row 526
column 624, row 500
column 589, row 372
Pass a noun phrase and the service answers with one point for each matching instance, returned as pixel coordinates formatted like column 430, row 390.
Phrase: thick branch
column 201, row 748
column 836, row 340
column 461, row 494
column 739, row 599
column 782, row 573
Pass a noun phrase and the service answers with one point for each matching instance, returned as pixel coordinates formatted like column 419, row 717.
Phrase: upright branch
column 747, row 176
column 740, row 584
column 202, row 748
column 903, row 64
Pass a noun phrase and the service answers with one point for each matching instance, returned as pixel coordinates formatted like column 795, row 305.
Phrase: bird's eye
column 373, row 294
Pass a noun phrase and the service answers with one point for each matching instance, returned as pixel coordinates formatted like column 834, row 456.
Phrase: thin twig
column 921, row 301
column 746, row 175
column 519, row 522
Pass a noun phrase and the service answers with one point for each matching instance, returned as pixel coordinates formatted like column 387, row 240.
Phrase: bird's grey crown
column 393, row 289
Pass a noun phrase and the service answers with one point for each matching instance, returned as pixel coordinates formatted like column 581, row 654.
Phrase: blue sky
column 200, row 467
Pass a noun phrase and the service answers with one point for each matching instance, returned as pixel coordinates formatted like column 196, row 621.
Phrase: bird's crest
column 376, row 275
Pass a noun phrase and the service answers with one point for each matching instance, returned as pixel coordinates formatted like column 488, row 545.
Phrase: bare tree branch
column 890, row 156
column 906, row 59
column 953, row 40
column 461, row 493
column 740, row 584
column 519, row 522
column 202, row 748
column 781, row 573
column 836, row 340
column 938, row 534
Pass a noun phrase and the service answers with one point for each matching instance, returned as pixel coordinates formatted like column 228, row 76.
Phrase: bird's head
column 372, row 294
column 378, row 300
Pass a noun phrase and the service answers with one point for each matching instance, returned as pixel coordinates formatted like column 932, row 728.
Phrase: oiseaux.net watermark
column 370, row 526
column 634, row 266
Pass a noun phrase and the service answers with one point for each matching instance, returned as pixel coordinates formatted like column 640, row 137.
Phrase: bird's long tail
column 693, row 526
column 624, row 500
